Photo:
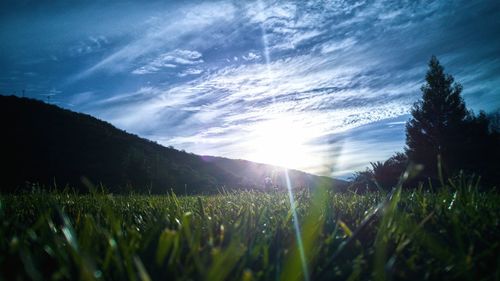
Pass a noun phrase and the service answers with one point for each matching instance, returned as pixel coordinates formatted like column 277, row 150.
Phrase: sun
column 282, row 142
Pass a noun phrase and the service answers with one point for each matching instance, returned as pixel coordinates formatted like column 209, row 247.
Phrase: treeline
column 443, row 140
column 52, row 147
column 45, row 146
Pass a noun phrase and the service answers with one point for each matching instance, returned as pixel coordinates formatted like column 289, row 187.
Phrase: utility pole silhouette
column 47, row 97
column 51, row 93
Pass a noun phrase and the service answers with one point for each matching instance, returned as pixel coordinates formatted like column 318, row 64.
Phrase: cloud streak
column 170, row 59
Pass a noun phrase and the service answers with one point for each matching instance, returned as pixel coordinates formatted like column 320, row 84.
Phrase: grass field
column 451, row 234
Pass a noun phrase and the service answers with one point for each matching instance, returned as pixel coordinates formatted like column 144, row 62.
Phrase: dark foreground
column 416, row 235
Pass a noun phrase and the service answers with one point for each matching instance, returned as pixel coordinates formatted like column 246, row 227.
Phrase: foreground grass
column 417, row 235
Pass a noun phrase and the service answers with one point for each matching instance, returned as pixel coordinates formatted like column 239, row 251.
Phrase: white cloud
column 332, row 46
column 170, row 60
column 82, row 98
column 163, row 32
column 190, row 71
column 251, row 56
column 90, row 45
column 264, row 11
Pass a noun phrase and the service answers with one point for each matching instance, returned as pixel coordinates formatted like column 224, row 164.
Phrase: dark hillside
column 43, row 143
column 248, row 171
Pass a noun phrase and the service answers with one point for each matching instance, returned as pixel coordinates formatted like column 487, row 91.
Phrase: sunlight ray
column 265, row 43
column 296, row 227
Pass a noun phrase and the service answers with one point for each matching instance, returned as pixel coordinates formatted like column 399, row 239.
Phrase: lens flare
column 296, row 227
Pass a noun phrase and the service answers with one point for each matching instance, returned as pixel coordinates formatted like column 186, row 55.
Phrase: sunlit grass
column 415, row 235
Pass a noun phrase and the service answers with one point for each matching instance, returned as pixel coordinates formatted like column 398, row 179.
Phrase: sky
column 321, row 86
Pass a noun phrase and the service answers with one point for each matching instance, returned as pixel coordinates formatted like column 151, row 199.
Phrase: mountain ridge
column 46, row 144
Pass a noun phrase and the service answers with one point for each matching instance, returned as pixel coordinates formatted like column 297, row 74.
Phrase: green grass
column 410, row 235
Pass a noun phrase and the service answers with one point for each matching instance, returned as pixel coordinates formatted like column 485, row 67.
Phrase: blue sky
column 322, row 86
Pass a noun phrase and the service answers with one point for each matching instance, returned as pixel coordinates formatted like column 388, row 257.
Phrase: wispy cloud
column 90, row 45
column 234, row 108
column 170, row 60
column 190, row 71
column 251, row 56
column 162, row 32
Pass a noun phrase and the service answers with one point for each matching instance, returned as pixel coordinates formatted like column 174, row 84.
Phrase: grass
column 451, row 234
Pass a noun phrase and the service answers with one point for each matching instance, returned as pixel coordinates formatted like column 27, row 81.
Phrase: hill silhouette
column 54, row 147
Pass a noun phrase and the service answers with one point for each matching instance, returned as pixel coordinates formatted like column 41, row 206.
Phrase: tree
column 437, row 124
column 362, row 181
column 382, row 175
column 443, row 137
column 494, row 121
column 482, row 149
column 386, row 174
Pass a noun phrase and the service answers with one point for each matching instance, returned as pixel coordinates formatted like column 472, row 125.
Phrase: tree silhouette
column 363, row 181
column 482, row 148
column 443, row 136
column 437, row 126
column 386, row 174
column 381, row 176
column 494, row 122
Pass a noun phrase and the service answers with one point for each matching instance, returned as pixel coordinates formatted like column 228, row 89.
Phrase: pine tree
column 437, row 124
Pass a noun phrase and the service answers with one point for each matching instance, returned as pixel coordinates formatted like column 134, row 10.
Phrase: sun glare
column 281, row 142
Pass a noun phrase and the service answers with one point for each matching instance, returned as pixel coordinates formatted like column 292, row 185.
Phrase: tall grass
column 408, row 235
